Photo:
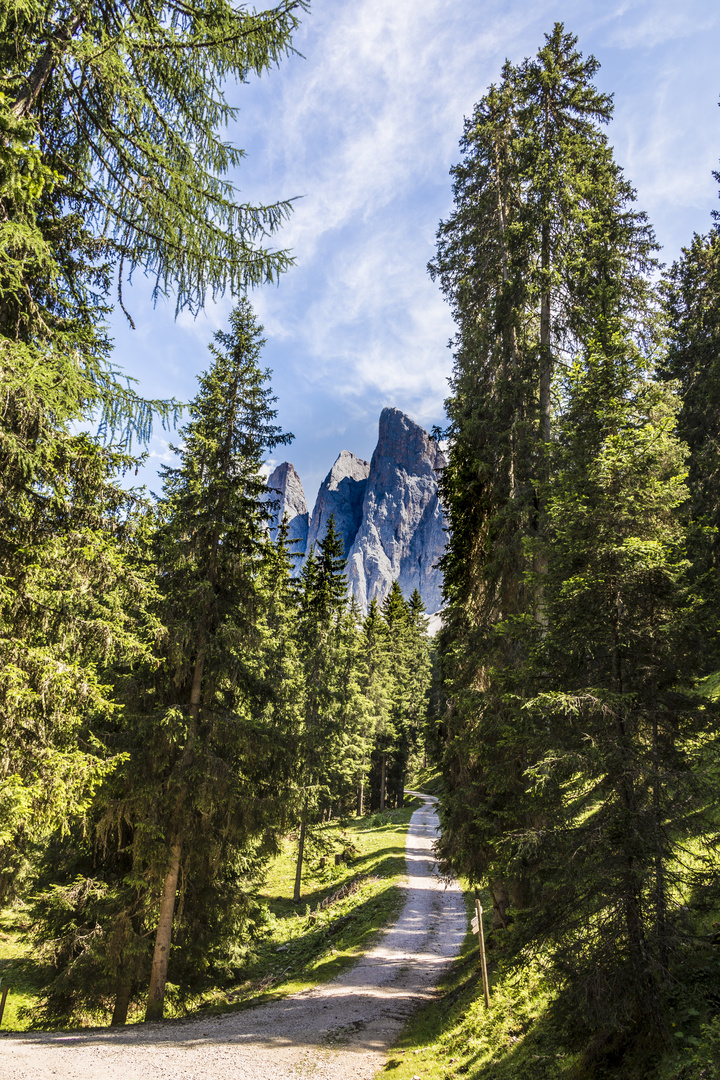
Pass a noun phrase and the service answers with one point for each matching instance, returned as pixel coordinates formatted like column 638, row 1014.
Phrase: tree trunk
column 360, row 795
column 545, row 352
column 301, row 848
column 546, row 362
column 54, row 50
column 500, row 899
column 161, row 955
column 660, row 884
column 122, row 1000
column 383, row 769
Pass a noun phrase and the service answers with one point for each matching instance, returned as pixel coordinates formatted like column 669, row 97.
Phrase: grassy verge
column 342, row 908
column 340, row 912
column 18, row 970
column 522, row 1036
column 457, row 1037
column 527, row 1035
column 428, row 780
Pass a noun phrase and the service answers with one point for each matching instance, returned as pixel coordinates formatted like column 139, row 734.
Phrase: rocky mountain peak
column 402, row 534
column 285, row 486
column 341, row 493
column 386, row 511
column 407, row 445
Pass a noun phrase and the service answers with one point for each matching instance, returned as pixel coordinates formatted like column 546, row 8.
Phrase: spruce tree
column 542, row 231
column 330, row 751
column 378, row 691
column 111, row 161
column 207, row 729
column 612, row 731
column 409, row 670
column 692, row 361
column 76, row 599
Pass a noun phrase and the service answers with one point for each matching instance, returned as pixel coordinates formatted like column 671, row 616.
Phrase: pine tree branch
column 43, row 69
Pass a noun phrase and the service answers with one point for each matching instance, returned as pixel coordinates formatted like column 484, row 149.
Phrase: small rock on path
column 341, row 1029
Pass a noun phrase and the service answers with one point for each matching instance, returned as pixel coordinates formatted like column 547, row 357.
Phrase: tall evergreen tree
column 110, row 160
column 538, row 198
column 208, row 735
column 692, row 304
column 329, row 752
column 76, row 599
column 409, row 671
column 377, row 683
column 611, row 732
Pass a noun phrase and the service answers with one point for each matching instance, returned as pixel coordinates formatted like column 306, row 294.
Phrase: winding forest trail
column 342, row 1029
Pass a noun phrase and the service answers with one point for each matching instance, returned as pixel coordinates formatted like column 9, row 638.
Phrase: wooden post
column 483, row 962
column 2, row 1000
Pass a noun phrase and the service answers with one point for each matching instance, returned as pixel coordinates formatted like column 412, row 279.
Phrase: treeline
column 239, row 703
column 578, row 735
column 172, row 700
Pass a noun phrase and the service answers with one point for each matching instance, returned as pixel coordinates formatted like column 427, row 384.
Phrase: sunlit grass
column 307, row 943
column 18, row 970
column 429, row 780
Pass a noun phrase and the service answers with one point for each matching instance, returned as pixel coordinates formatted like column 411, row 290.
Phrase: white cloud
column 645, row 25
column 365, row 130
column 160, row 452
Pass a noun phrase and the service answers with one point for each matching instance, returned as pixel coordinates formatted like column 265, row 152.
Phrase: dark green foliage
column 331, row 746
column 126, row 102
column 575, row 745
column 609, row 737
column 543, row 223
column 692, row 303
column 74, row 599
column 207, row 727
column 407, row 672
column 110, row 160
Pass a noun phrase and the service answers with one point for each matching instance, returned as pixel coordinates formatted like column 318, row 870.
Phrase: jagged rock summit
column 387, row 512
column 341, row 493
column 401, row 536
column 285, row 486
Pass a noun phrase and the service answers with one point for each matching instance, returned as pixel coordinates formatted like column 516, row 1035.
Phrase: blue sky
column 363, row 130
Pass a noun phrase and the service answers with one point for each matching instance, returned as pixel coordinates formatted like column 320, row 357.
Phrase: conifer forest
column 185, row 697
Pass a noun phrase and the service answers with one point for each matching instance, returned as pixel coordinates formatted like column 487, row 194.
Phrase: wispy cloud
column 365, row 129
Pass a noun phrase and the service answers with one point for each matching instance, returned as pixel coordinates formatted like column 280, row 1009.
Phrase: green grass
column 456, row 1037
column 307, row 943
column 18, row 970
column 525, row 1034
column 428, row 780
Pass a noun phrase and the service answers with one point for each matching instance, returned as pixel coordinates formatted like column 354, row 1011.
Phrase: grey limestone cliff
column 341, row 493
column 401, row 534
column 387, row 512
column 286, row 487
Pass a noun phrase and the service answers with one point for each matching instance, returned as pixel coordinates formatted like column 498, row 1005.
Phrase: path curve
column 341, row 1029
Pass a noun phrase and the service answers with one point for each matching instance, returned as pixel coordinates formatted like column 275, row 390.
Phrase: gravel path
column 340, row 1030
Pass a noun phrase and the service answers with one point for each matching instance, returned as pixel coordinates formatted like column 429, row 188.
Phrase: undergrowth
column 342, row 908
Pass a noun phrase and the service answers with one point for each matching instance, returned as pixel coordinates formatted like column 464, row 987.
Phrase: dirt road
column 340, row 1030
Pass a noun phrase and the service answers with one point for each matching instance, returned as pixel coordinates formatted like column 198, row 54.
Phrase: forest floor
column 341, row 1028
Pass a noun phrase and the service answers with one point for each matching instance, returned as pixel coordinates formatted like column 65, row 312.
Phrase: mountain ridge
column 387, row 512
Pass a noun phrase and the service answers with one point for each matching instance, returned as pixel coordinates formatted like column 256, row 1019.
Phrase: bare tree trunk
column 500, row 899
column 301, row 848
column 163, row 938
column 122, row 1000
column 383, row 769
column 44, row 67
column 545, row 351
column 660, row 884
column 360, row 795
column 545, row 359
